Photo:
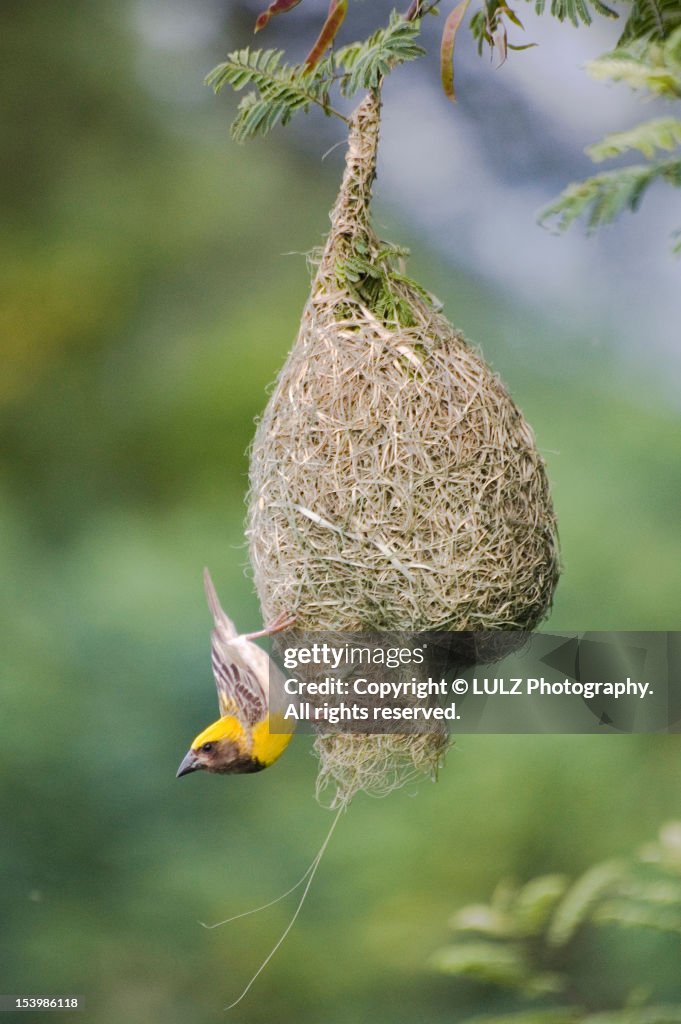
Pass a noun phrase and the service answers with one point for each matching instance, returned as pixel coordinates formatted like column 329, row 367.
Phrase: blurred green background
column 146, row 307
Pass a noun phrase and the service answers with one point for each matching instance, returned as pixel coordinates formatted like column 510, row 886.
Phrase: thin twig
column 326, row 107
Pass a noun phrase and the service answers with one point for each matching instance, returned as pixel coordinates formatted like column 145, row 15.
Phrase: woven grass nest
column 395, row 485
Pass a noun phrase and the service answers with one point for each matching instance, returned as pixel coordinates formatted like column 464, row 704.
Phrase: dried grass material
column 394, row 483
column 375, row 764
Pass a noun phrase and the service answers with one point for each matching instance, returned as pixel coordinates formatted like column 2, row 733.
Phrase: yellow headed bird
column 240, row 741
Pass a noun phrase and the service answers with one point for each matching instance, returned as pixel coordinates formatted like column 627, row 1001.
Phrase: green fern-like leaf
column 257, row 116
column 604, row 196
column 648, row 138
column 638, row 72
column 650, row 20
column 581, row 898
column 576, row 11
column 656, row 68
column 365, row 64
column 248, row 67
column 280, row 89
column 647, row 20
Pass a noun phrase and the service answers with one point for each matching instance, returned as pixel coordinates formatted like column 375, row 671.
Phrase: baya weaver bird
column 240, row 740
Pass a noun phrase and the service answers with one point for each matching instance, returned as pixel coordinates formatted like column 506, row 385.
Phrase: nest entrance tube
column 395, row 486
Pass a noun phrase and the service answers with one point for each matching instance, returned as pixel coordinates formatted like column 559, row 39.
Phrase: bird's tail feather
column 222, row 621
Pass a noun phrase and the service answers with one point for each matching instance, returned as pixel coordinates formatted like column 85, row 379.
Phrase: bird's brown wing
column 240, row 691
column 240, row 667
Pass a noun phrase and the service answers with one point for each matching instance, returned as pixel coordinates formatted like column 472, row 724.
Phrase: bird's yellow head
column 225, row 747
column 221, row 748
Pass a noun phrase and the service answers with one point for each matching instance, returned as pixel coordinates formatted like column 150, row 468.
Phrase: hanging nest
column 394, row 483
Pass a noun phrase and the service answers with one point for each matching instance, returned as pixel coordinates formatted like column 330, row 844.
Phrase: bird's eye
column 207, row 747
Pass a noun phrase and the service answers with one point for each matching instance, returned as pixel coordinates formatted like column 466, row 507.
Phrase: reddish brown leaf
column 334, row 19
column 276, row 7
column 452, row 25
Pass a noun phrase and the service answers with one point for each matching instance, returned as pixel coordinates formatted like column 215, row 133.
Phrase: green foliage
column 651, row 20
column 648, row 56
column 372, row 276
column 647, row 138
column 365, row 64
column 576, row 11
column 600, row 199
column 654, row 67
column 604, row 196
column 647, row 19
column 488, row 26
column 491, row 963
column 578, row 903
column 530, row 941
column 281, row 89
column 535, row 903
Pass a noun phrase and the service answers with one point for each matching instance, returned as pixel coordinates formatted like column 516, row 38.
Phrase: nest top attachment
column 350, row 217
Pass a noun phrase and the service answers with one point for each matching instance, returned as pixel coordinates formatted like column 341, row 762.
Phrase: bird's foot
column 282, row 621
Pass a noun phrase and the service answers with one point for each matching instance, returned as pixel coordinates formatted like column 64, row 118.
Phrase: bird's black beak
column 189, row 764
